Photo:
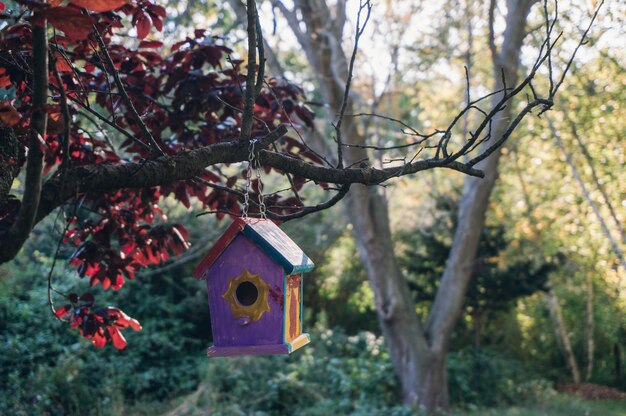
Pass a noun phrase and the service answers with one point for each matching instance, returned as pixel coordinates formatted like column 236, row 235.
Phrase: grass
column 558, row 405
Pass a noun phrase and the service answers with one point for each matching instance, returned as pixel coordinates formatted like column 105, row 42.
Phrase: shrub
column 484, row 377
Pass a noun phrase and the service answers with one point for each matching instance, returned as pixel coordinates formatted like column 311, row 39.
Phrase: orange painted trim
column 293, row 305
column 299, row 342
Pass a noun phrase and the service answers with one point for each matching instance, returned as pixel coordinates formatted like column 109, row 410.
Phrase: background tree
column 113, row 235
column 418, row 352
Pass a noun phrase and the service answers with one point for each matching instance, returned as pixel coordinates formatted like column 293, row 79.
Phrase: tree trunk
column 422, row 377
column 475, row 200
column 596, row 210
column 562, row 336
column 367, row 210
column 594, row 175
column 589, row 328
column 617, row 356
column 420, row 365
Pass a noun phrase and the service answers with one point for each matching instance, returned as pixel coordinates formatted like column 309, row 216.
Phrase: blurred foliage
column 49, row 369
column 335, row 374
column 537, row 219
column 484, row 377
column 552, row 404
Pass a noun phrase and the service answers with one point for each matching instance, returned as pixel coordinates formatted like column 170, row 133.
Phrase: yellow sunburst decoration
column 247, row 296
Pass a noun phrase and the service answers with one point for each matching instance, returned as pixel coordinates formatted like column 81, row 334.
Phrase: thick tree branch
column 26, row 217
column 187, row 165
column 251, row 85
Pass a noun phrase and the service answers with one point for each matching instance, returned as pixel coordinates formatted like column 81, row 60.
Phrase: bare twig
column 145, row 132
column 580, row 43
column 360, row 28
column 492, row 41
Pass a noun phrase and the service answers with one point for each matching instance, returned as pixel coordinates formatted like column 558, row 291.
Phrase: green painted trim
column 275, row 254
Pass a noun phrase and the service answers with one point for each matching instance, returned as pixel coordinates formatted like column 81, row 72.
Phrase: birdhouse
column 254, row 280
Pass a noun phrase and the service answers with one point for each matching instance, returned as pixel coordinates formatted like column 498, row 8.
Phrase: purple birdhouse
column 254, row 280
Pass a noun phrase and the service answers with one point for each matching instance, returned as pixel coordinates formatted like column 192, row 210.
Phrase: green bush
column 335, row 374
column 485, row 378
column 48, row 368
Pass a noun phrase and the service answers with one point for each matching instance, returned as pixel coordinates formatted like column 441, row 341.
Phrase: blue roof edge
column 275, row 254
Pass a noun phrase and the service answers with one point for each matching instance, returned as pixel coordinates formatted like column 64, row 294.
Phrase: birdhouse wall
column 228, row 330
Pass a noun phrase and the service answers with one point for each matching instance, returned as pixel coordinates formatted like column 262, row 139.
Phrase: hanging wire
column 253, row 163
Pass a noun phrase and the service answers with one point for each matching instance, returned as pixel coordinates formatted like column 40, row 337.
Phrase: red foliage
column 188, row 97
column 99, row 325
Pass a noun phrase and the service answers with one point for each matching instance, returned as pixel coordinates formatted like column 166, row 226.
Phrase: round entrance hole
column 246, row 293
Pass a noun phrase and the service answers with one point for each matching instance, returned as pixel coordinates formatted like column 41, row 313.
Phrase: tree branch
column 251, row 86
column 26, row 216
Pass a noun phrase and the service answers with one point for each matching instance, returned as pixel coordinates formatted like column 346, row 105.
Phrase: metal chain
column 253, row 162
column 262, row 207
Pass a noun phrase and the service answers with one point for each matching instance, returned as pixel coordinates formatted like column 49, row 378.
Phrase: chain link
column 253, row 163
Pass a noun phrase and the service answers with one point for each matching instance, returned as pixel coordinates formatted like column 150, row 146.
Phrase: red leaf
column 116, row 337
column 5, row 79
column 122, row 320
column 150, row 44
column 76, row 25
column 158, row 10
column 106, row 283
column 63, row 311
column 61, row 63
column 8, row 114
column 99, row 6
column 181, row 194
column 158, row 24
column 143, row 25
column 305, row 115
column 99, row 339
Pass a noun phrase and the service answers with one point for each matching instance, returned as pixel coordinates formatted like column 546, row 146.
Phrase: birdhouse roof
column 271, row 239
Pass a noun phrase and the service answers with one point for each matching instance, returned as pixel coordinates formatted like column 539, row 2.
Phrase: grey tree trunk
column 562, row 337
column 589, row 328
column 474, row 203
column 594, row 175
column 418, row 356
column 367, row 210
column 583, row 187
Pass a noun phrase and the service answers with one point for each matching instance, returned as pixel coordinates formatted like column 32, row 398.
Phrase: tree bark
column 617, row 356
column 475, row 200
column 594, row 175
column 419, row 357
column 422, row 376
column 562, row 336
column 9, row 166
column 589, row 328
column 596, row 210
column 26, row 217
